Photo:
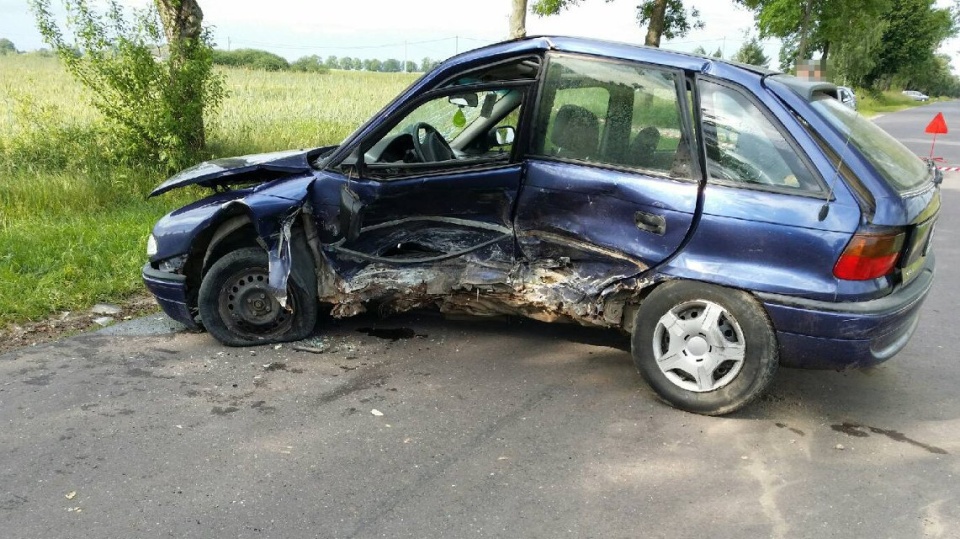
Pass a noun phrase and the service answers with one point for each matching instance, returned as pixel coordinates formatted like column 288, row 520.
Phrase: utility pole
column 228, row 43
column 456, row 46
column 404, row 56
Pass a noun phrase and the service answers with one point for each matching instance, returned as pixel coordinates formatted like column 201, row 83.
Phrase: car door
column 428, row 197
column 611, row 185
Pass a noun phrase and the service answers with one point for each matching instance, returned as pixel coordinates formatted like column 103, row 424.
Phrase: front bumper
column 170, row 289
column 825, row 335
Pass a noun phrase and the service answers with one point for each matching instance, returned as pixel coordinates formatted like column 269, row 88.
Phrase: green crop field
column 73, row 228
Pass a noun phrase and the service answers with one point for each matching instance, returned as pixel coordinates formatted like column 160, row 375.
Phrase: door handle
column 650, row 222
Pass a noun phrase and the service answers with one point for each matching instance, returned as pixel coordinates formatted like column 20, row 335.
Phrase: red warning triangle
column 937, row 126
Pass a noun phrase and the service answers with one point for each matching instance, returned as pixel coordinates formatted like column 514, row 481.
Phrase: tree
column 189, row 50
column 391, row 65
column 915, row 30
column 664, row 18
column 810, row 26
column 717, row 53
column 251, row 59
column 700, row 50
column 332, row 62
column 150, row 73
column 7, row 47
column 410, row 67
column 870, row 42
column 346, row 63
column 309, row 64
column 751, row 53
column 428, row 64
column 518, row 19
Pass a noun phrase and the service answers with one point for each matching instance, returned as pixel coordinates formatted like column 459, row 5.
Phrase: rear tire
column 238, row 309
column 705, row 349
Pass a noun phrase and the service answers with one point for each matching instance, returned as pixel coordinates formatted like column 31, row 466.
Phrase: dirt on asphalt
column 68, row 323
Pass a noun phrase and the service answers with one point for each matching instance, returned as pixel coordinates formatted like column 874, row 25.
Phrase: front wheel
column 704, row 348
column 238, row 309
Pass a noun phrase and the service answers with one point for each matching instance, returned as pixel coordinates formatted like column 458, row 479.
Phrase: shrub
column 152, row 93
column 310, row 64
column 250, row 59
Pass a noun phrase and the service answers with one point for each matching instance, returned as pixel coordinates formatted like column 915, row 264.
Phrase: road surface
column 420, row 427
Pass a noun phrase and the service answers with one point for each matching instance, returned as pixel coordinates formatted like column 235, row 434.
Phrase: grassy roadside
column 73, row 222
column 891, row 101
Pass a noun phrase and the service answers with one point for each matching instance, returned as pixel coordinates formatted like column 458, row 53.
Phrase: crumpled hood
column 237, row 170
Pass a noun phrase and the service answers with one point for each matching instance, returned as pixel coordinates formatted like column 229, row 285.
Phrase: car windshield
column 900, row 167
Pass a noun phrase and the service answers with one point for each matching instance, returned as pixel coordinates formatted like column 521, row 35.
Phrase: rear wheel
column 703, row 348
column 238, row 309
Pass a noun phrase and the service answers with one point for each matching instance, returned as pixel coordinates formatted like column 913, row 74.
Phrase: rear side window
column 745, row 147
column 613, row 113
column 900, row 167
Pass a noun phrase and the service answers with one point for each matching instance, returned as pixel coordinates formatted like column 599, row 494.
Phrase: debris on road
column 106, row 309
column 376, row 412
column 103, row 321
column 311, row 349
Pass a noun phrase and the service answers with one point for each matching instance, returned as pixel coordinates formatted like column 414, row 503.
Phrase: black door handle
column 650, row 222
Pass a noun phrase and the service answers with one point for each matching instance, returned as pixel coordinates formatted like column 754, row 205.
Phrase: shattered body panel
column 220, row 173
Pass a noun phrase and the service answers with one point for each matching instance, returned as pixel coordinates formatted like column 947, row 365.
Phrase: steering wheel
column 747, row 170
column 433, row 147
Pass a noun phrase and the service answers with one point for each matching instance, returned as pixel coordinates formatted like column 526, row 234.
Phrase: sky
column 415, row 29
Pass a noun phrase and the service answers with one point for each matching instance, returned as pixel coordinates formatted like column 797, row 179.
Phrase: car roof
column 603, row 48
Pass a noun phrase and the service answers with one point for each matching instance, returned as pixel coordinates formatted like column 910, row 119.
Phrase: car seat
column 576, row 133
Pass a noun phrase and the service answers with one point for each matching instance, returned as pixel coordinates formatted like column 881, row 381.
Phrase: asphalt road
column 488, row 429
column 908, row 126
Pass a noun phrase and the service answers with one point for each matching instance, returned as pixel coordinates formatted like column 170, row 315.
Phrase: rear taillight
column 869, row 255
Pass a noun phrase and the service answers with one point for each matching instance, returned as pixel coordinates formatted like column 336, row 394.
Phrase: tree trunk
column 182, row 24
column 518, row 19
column 655, row 29
column 804, row 26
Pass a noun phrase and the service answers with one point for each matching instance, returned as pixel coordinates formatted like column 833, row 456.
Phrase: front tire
column 704, row 348
column 238, row 309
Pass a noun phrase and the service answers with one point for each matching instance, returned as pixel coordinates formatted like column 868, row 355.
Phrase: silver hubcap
column 699, row 346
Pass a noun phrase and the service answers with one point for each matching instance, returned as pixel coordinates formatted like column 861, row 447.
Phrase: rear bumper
column 825, row 335
column 170, row 289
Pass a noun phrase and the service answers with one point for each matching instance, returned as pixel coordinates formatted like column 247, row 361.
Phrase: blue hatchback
column 731, row 219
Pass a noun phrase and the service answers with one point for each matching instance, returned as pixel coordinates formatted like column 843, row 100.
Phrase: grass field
column 73, row 228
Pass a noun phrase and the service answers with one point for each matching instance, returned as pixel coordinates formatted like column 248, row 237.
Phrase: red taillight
column 869, row 255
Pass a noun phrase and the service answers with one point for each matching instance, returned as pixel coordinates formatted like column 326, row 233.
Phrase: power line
column 343, row 47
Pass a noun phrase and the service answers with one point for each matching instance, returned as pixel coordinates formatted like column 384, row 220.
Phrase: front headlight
column 151, row 245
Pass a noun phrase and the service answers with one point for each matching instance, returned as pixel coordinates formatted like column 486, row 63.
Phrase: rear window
column 900, row 167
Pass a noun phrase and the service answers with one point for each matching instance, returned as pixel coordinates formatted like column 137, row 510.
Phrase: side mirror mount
column 350, row 214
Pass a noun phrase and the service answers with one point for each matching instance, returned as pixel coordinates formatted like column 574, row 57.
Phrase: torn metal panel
column 486, row 282
column 280, row 262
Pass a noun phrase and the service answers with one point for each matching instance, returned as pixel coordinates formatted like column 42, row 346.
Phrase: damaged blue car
column 731, row 219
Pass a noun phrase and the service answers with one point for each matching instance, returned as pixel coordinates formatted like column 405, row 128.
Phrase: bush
column 250, row 59
column 152, row 94
column 310, row 64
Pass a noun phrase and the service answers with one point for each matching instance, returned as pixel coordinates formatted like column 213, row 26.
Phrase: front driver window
column 460, row 126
